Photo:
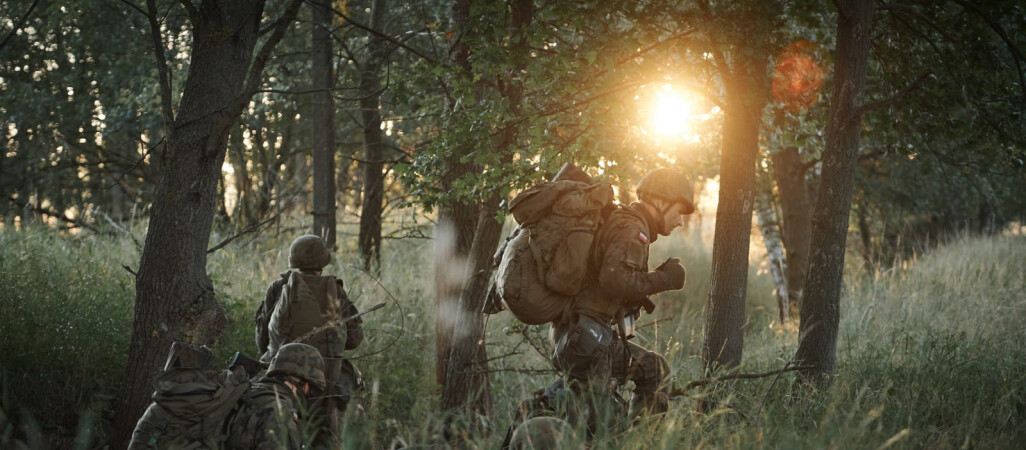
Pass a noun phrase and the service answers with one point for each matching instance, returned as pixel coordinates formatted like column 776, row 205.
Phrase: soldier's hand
column 672, row 272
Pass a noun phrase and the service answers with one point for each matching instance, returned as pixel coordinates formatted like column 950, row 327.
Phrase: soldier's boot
column 650, row 394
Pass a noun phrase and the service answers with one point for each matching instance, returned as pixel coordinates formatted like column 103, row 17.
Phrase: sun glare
column 671, row 114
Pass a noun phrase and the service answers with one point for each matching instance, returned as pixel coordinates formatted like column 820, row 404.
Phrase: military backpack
column 543, row 263
column 193, row 402
column 308, row 311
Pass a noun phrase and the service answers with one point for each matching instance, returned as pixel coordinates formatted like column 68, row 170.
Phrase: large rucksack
column 193, row 402
column 543, row 263
column 307, row 303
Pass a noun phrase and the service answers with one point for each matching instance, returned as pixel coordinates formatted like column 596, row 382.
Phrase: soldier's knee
column 652, row 369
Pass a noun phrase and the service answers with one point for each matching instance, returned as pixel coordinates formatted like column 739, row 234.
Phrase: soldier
column 588, row 351
column 303, row 306
column 267, row 417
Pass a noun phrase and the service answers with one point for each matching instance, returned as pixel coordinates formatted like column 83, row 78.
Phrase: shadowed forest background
column 859, row 168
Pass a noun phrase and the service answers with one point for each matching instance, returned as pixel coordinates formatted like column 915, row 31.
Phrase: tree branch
column 249, row 229
column 256, row 70
column 897, row 96
column 384, row 36
column 55, row 214
column 163, row 72
column 20, row 23
column 678, row 391
column 908, row 10
column 1016, row 52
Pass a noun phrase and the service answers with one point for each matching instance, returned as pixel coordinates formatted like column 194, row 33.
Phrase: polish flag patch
column 643, row 238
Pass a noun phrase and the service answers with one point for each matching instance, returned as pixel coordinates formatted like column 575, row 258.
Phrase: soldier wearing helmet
column 303, row 306
column 268, row 413
column 593, row 356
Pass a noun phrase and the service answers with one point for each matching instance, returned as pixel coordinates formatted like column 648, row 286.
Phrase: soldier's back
column 266, row 418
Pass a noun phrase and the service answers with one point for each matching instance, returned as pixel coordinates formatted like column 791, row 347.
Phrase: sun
column 671, row 114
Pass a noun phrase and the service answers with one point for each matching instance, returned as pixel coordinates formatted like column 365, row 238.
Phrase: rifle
column 251, row 366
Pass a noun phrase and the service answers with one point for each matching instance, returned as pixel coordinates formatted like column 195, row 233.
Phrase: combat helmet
column 670, row 185
column 299, row 360
column 309, row 252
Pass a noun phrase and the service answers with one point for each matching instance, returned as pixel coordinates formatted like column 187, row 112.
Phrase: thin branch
column 117, row 180
column 677, row 391
column 256, row 70
column 908, row 10
column 897, row 96
column 249, row 229
column 388, row 38
column 55, row 214
column 134, row 6
column 20, row 23
column 121, row 229
column 163, row 72
column 1016, row 52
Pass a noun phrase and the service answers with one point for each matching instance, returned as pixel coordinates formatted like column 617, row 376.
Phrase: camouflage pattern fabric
column 587, row 350
column 618, row 272
column 326, row 408
column 266, row 419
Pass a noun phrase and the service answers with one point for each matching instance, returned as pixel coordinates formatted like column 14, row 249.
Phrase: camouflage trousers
column 594, row 360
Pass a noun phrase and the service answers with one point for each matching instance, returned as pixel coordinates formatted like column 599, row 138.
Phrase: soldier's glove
column 671, row 274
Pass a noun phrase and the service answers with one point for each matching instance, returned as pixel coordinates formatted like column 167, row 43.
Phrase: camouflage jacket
column 618, row 272
column 267, row 418
column 354, row 329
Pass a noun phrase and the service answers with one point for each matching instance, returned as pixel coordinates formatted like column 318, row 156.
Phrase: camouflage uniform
column 341, row 375
column 267, row 418
column 589, row 352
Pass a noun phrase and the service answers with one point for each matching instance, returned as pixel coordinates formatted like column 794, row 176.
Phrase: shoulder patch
column 643, row 238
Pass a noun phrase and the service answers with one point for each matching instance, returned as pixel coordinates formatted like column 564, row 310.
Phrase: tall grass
column 930, row 354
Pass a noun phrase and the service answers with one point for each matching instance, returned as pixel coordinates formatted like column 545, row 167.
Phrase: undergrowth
column 930, row 352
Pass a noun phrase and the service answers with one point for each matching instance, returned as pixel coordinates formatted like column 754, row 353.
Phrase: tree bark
column 174, row 296
column 796, row 209
column 866, row 235
column 373, row 142
column 323, row 124
column 725, row 310
column 457, row 218
column 466, row 383
column 770, row 230
column 820, row 308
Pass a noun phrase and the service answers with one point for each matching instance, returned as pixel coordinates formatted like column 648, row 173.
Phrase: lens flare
column 671, row 113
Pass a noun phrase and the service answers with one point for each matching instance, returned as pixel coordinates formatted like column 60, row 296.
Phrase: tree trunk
column 820, row 308
column 866, row 235
column 725, row 310
column 457, row 221
column 770, row 230
column 796, row 209
column 373, row 142
column 466, row 383
column 323, row 124
column 174, row 296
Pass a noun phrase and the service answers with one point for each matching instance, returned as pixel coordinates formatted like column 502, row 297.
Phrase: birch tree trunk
column 770, row 230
